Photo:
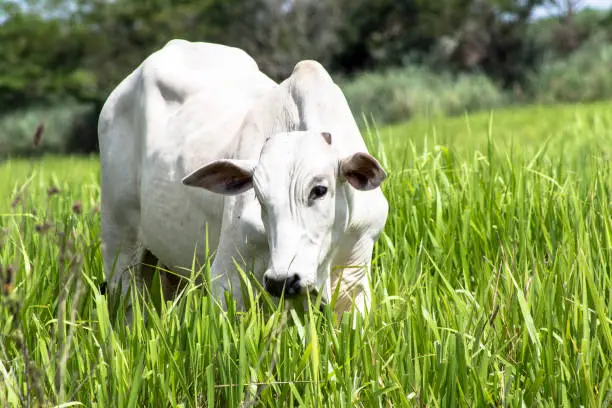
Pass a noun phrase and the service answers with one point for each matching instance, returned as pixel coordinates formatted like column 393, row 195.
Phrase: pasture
column 492, row 286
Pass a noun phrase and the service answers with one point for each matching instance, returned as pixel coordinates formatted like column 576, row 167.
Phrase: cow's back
column 182, row 107
column 181, row 88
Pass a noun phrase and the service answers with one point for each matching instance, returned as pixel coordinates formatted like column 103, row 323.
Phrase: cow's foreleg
column 225, row 270
column 127, row 264
column 350, row 276
column 226, row 281
column 122, row 264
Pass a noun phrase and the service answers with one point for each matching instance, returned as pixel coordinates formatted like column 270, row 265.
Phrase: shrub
column 62, row 125
column 399, row 94
column 581, row 77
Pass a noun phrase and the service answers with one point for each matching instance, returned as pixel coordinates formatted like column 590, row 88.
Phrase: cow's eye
column 317, row 192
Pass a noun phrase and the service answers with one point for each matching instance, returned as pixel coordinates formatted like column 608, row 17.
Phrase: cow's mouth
column 300, row 303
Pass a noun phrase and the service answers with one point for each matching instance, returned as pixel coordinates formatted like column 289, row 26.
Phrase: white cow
column 198, row 147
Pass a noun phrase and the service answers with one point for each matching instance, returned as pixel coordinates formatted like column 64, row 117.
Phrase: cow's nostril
column 293, row 286
column 274, row 286
column 290, row 285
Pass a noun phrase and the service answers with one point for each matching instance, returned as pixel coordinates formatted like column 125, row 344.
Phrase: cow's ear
column 227, row 177
column 362, row 171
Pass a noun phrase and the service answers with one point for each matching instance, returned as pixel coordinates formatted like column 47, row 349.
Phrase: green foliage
column 400, row 94
column 40, row 63
column 558, row 36
column 491, row 286
column 485, row 35
column 583, row 76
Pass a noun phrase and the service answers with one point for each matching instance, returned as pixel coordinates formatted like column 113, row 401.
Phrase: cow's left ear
column 362, row 171
column 228, row 177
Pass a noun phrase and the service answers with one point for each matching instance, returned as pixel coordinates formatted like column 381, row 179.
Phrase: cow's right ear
column 228, row 177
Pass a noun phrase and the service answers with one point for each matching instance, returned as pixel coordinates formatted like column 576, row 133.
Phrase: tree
column 278, row 33
column 41, row 61
column 492, row 38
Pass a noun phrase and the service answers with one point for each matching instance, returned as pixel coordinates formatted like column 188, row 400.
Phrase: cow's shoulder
column 169, row 77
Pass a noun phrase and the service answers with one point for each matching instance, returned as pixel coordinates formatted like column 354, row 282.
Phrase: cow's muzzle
column 291, row 286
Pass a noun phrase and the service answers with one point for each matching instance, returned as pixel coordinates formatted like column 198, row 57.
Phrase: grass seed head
column 53, row 190
column 42, row 228
column 77, row 207
column 38, row 134
column 16, row 201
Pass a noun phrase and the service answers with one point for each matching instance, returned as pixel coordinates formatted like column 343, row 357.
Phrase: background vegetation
column 395, row 59
column 491, row 286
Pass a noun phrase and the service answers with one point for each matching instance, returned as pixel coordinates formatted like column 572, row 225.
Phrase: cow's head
column 300, row 182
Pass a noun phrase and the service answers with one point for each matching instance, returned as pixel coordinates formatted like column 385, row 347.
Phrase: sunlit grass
column 491, row 286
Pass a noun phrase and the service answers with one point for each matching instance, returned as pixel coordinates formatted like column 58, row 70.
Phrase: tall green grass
column 491, row 286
